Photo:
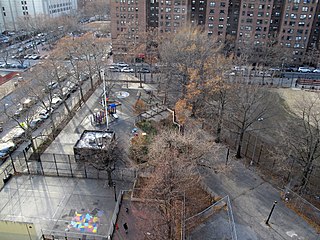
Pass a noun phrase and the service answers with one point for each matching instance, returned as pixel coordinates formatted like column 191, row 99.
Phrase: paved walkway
column 252, row 198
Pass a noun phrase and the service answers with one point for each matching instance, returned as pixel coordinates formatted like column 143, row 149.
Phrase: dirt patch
column 98, row 25
column 292, row 97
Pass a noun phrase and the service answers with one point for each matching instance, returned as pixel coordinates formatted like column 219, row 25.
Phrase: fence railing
column 115, row 214
column 209, row 211
column 302, row 206
column 61, row 235
column 63, row 165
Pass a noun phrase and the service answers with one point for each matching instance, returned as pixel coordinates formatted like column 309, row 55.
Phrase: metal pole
column 227, row 158
column 274, row 204
column 115, row 191
column 105, row 99
column 55, row 163
column 13, row 166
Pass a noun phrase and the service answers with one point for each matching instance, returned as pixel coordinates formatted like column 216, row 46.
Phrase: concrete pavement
column 54, row 203
column 252, row 198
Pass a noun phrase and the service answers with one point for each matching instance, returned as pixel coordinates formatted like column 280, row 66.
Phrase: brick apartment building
column 295, row 24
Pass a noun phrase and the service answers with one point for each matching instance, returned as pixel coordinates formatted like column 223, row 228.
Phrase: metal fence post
column 25, row 158
column 85, row 170
column 41, row 165
column 55, row 163
column 248, row 142
column 13, row 166
column 70, row 165
column 259, row 154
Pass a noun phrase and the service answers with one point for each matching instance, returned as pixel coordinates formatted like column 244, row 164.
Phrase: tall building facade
column 294, row 24
column 14, row 11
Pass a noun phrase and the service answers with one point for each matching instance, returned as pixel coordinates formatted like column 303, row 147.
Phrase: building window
column 293, row 16
column 303, row 16
column 212, row 4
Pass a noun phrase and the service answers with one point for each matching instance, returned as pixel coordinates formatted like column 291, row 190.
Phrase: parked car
column 1, row 126
column 71, row 86
column 56, row 101
column 51, row 86
column 304, row 69
column 18, row 112
column 143, row 70
column 45, row 113
column 317, row 70
column 127, row 70
column 35, row 57
column 121, row 64
column 5, row 149
column 27, row 56
column 35, row 123
column 114, row 69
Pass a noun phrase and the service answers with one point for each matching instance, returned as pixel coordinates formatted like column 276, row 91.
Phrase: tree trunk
column 305, row 177
column 219, row 126
column 238, row 155
column 81, row 94
column 109, row 171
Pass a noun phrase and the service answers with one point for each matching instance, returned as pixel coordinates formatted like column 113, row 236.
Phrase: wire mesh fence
column 223, row 205
column 302, row 206
column 63, row 165
column 60, row 235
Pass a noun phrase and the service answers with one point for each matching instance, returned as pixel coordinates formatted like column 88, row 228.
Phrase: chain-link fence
column 302, row 206
column 60, row 235
column 260, row 154
column 63, row 165
column 196, row 222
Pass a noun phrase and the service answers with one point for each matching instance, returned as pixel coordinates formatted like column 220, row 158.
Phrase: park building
column 293, row 24
column 15, row 12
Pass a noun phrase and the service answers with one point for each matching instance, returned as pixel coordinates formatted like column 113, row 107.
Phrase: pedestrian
column 125, row 226
column 127, row 210
column 117, row 226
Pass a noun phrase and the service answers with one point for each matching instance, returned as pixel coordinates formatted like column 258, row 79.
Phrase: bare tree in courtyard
column 174, row 158
column 187, row 51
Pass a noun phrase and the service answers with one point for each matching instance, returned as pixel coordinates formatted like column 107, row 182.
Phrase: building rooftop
column 94, row 139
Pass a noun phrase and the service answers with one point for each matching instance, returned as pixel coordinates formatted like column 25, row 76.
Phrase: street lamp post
column 115, row 191
column 105, row 99
column 274, row 204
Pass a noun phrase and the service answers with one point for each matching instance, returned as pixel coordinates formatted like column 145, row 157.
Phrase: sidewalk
column 252, row 198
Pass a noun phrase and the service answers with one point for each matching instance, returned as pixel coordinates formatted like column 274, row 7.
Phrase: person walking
column 125, row 226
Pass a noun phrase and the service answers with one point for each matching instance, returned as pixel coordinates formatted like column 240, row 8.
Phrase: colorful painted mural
column 86, row 221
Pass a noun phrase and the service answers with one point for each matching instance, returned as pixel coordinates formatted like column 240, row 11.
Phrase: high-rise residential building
column 128, row 19
column 13, row 12
column 216, row 18
column 294, row 24
column 172, row 15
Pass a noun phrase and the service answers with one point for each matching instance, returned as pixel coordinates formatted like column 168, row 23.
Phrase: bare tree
column 249, row 104
column 174, row 158
column 302, row 138
column 187, row 50
column 55, row 73
column 104, row 159
column 217, row 94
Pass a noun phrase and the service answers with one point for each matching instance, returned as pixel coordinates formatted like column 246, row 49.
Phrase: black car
column 143, row 70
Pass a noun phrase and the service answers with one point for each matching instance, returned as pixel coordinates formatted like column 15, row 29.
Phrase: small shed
column 93, row 144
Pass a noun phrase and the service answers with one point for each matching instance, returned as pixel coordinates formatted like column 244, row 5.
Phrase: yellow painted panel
column 17, row 231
